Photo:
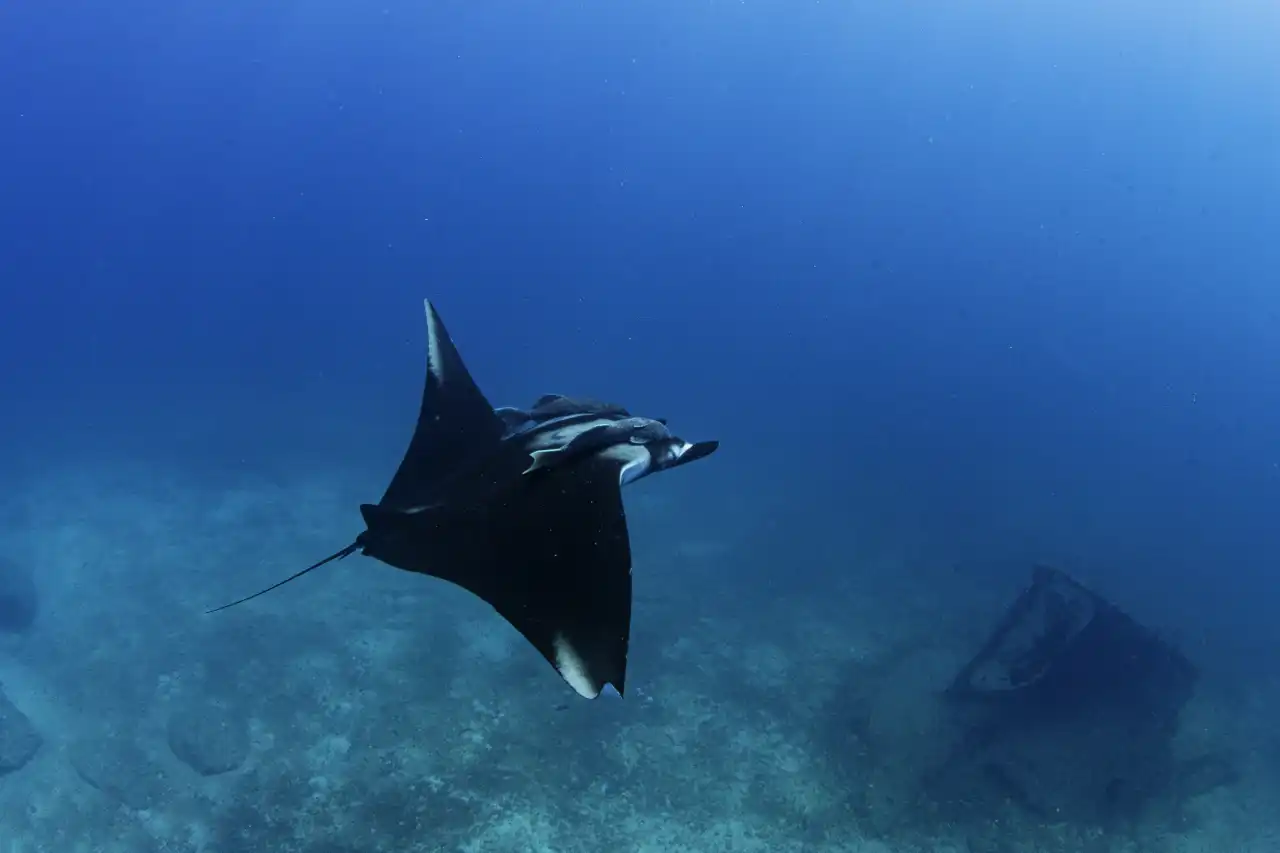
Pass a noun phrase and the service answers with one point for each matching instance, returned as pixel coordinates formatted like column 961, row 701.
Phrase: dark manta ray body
column 524, row 509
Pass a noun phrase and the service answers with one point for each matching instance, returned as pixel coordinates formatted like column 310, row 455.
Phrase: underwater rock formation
column 19, row 740
column 208, row 737
column 1070, row 710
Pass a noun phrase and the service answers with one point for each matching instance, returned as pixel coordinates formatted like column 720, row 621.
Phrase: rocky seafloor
column 368, row 710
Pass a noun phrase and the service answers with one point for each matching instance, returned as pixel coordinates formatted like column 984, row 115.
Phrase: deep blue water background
column 1001, row 276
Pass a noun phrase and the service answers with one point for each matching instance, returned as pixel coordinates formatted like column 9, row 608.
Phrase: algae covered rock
column 19, row 740
column 208, row 736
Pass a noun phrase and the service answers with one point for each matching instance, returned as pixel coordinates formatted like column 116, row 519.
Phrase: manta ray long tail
column 345, row 552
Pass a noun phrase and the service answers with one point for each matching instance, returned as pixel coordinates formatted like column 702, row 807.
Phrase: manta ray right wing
column 551, row 555
column 457, row 432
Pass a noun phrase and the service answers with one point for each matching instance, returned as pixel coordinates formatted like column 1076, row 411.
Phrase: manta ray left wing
column 456, row 451
column 551, row 554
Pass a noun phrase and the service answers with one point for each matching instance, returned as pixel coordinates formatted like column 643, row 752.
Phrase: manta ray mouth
column 694, row 451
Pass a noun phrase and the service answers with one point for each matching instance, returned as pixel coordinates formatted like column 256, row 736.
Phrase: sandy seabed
column 364, row 709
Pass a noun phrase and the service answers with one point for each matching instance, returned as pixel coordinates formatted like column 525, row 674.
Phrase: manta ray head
column 674, row 452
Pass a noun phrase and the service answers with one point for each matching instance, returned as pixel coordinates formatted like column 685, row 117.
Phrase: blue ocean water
column 961, row 288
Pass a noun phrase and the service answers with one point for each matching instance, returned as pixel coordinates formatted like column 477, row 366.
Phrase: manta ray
column 522, row 508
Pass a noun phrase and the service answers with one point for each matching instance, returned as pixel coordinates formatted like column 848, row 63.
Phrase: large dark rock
column 19, row 600
column 19, row 740
column 208, row 736
column 1071, row 709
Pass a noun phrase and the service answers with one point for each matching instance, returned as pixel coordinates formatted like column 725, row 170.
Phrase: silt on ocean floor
column 375, row 710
